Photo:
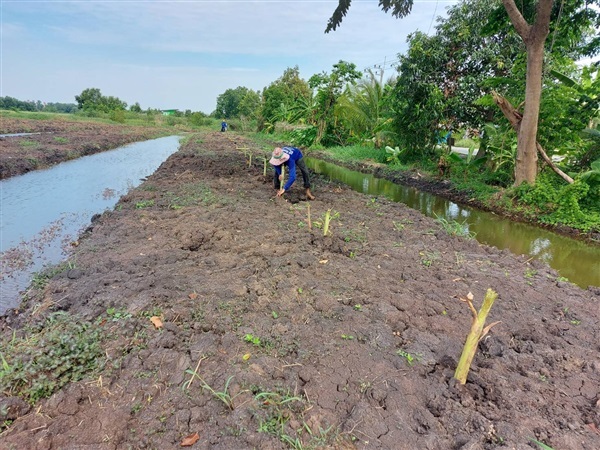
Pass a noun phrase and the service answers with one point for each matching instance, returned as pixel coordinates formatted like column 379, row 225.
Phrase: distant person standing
column 292, row 158
column 223, row 126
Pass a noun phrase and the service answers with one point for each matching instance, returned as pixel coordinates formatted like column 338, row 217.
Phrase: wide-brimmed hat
column 279, row 157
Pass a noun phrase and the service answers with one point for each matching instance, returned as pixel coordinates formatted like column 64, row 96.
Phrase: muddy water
column 575, row 260
column 44, row 211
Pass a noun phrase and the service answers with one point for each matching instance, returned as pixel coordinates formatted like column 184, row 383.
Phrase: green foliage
column 254, row 340
column 191, row 194
column 328, row 89
column 357, row 153
column 417, row 100
column 249, row 105
column 116, row 315
column 27, row 105
column 91, row 99
column 541, row 444
column 223, row 396
column 592, row 179
column 135, row 108
column 557, row 203
column 410, row 358
column 61, row 350
column 303, row 137
column 455, row 228
column 276, row 409
column 40, row 279
column 117, row 115
column 363, row 111
column 199, row 119
column 144, row 204
column 228, row 103
column 394, row 154
column 282, row 99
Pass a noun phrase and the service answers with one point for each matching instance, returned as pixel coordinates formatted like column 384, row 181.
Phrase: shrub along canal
column 44, row 211
column 573, row 259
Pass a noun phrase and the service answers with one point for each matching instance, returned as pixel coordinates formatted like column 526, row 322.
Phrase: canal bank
column 200, row 278
column 44, row 211
column 575, row 260
column 40, row 144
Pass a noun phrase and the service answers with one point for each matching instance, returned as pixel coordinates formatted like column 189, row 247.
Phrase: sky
column 182, row 54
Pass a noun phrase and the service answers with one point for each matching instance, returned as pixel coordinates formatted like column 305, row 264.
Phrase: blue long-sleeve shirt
column 295, row 155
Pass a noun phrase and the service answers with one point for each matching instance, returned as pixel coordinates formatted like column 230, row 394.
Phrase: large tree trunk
column 534, row 37
column 526, row 164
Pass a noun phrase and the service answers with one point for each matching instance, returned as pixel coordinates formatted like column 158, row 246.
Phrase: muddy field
column 273, row 336
column 56, row 141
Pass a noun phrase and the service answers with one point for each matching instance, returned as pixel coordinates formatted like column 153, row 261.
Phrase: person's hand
column 280, row 177
column 280, row 192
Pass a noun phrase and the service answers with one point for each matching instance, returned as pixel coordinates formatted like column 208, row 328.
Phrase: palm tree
column 361, row 109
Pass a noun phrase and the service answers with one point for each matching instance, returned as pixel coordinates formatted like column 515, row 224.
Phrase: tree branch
column 338, row 15
column 517, row 19
column 515, row 117
column 549, row 161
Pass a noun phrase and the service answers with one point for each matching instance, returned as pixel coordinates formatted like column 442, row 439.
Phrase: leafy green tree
column 89, row 99
column 13, row 103
column 228, row 102
column 531, row 20
column 281, row 98
column 443, row 77
column 249, row 105
column 135, row 108
column 328, row 89
column 110, row 103
column 417, row 98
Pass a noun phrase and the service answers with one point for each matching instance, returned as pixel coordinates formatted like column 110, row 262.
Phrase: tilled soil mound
column 57, row 141
column 274, row 336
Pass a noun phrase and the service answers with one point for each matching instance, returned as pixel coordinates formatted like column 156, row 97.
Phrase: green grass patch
column 191, row 194
column 26, row 143
column 357, row 153
column 144, row 204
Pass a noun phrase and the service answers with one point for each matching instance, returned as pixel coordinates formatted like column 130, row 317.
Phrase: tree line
column 30, row 105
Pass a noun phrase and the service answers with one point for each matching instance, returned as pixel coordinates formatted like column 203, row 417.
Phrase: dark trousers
column 300, row 164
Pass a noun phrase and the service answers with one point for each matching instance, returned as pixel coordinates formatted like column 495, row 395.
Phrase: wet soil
column 57, row 141
column 344, row 341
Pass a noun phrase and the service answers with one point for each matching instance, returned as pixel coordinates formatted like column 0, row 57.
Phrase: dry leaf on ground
column 190, row 440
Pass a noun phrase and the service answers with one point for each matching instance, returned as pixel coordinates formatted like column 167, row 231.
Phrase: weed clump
column 46, row 358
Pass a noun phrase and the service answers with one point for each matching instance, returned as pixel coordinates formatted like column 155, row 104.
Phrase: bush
column 117, row 115
column 555, row 202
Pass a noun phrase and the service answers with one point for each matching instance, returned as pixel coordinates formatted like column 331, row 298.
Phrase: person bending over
column 292, row 158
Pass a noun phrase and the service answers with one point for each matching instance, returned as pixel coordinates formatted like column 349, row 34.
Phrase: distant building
column 168, row 112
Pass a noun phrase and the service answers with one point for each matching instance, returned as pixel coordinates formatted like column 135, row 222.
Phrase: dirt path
column 300, row 340
column 57, row 141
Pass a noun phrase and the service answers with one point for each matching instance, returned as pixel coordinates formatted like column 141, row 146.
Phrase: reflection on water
column 573, row 259
column 44, row 211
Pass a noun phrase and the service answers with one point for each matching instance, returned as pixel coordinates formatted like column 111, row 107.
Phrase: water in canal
column 43, row 211
column 573, row 259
